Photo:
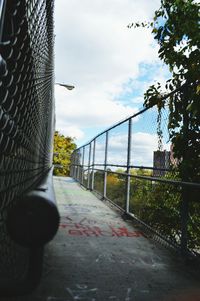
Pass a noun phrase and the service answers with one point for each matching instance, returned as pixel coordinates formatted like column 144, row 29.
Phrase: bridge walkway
column 99, row 256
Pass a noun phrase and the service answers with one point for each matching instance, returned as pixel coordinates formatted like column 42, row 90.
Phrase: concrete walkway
column 97, row 256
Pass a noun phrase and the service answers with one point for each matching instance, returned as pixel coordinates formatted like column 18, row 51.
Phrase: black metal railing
column 124, row 165
column 26, row 125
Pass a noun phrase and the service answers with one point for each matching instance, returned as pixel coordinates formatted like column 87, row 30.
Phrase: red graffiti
column 80, row 229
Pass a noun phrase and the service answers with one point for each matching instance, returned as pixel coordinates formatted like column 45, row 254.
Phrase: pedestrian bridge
column 100, row 252
column 99, row 255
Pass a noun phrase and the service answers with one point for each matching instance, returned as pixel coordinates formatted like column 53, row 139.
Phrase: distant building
column 161, row 161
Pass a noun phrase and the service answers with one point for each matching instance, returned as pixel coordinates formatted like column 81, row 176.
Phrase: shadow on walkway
column 97, row 256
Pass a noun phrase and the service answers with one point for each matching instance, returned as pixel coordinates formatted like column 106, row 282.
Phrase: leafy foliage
column 116, row 188
column 155, row 203
column 176, row 27
column 63, row 148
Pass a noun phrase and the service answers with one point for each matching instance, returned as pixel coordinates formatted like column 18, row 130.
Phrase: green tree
column 116, row 188
column 176, row 27
column 63, row 148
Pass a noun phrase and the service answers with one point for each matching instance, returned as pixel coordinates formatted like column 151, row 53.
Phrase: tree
column 63, row 148
column 176, row 28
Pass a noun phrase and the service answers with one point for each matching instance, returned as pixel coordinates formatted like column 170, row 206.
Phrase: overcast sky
column 109, row 64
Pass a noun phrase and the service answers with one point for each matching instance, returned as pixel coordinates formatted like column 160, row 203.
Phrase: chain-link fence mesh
column 26, row 113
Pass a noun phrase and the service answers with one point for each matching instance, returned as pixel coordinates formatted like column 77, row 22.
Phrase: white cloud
column 89, row 110
column 97, row 53
column 143, row 146
column 70, row 130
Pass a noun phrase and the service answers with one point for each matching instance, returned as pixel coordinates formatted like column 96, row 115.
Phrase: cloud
column 70, row 130
column 96, row 52
column 143, row 146
column 74, row 113
column 149, row 74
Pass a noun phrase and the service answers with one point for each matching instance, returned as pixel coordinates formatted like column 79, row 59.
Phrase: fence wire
column 26, row 113
column 135, row 169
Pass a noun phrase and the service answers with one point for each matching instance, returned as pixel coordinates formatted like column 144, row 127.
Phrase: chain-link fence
column 133, row 165
column 26, row 120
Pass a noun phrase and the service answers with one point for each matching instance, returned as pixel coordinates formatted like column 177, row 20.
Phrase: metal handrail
column 114, row 126
column 2, row 15
column 140, row 112
column 84, row 172
column 149, row 178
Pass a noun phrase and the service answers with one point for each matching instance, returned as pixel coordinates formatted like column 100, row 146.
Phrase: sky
column 109, row 64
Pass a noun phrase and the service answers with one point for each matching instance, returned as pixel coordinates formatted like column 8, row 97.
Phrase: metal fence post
column 77, row 166
column 82, row 175
column 105, row 168
column 184, row 220
column 93, row 162
column 185, row 177
column 89, row 159
column 71, row 166
column 128, row 178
